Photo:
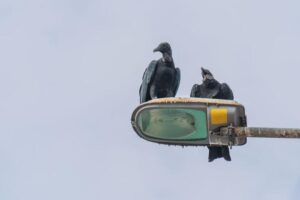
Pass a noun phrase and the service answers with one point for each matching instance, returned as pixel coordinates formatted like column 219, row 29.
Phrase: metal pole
column 262, row 132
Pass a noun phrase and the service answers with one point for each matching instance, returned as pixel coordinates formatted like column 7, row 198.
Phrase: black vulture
column 161, row 78
column 211, row 88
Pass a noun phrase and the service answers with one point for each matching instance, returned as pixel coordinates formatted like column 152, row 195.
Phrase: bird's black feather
column 161, row 78
column 177, row 80
column 211, row 88
column 147, row 78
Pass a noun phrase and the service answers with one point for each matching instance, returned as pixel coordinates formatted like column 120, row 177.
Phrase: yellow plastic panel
column 218, row 116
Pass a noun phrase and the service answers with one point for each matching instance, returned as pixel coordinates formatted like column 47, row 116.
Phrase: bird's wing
column 142, row 80
column 226, row 92
column 147, row 78
column 177, row 81
column 194, row 90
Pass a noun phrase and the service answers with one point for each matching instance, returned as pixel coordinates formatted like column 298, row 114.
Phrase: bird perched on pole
column 211, row 88
column 161, row 78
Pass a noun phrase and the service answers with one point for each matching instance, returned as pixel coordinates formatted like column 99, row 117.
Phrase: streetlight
column 198, row 121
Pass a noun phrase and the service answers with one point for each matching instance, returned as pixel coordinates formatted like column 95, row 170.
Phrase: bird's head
column 206, row 75
column 164, row 48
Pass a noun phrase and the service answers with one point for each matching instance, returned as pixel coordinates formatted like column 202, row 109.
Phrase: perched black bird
column 211, row 88
column 161, row 78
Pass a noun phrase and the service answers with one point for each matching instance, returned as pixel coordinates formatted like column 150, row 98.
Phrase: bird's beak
column 156, row 49
column 203, row 72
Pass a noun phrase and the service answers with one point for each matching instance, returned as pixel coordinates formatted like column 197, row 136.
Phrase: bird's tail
column 218, row 152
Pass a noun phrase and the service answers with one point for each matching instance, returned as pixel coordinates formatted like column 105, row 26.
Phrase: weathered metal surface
column 262, row 132
column 192, row 100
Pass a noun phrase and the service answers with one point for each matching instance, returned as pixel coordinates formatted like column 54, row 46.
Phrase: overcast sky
column 69, row 78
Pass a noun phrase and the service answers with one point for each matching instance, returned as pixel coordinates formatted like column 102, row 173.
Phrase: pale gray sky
column 69, row 78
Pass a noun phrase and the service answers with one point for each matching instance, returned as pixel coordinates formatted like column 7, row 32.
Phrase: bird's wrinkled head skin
column 206, row 74
column 208, row 79
column 164, row 47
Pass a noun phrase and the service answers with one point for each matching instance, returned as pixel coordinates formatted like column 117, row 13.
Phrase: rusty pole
column 262, row 132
